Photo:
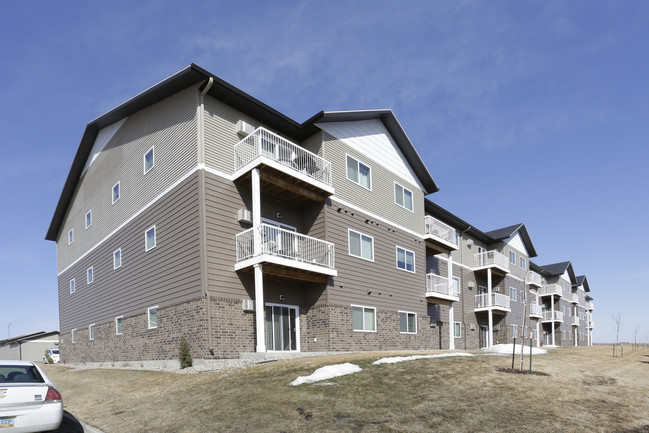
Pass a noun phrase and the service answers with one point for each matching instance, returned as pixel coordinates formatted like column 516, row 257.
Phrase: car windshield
column 19, row 373
column 55, row 351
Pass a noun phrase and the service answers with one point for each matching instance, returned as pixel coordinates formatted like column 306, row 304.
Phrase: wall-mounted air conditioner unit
column 244, row 216
column 471, row 285
column 244, row 128
column 496, row 289
column 248, row 305
column 472, row 327
column 496, row 327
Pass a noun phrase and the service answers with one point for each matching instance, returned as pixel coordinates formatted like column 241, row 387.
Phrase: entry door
column 484, row 336
column 282, row 330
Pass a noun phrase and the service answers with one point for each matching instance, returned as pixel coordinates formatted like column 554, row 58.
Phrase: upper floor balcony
column 574, row 298
column 440, row 237
column 495, row 302
column 552, row 316
column 440, row 288
column 536, row 311
column 285, row 253
column 285, row 168
column 551, row 289
column 590, row 306
column 574, row 321
column 590, row 324
column 491, row 260
column 534, row 279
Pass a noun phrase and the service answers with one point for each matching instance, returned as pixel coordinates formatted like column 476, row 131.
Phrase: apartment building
column 194, row 209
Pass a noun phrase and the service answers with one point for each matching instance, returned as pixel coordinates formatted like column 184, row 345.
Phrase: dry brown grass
column 586, row 390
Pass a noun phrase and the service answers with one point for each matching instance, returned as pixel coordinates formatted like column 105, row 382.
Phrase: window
column 403, row 196
column 364, row 318
column 149, row 239
column 481, row 249
column 514, row 331
column 88, row 219
column 457, row 329
column 405, row 260
column 117, row 259
column 407, row 322
column 73, row 335
column 89, row 277
column 358, row 173
column 152, row 314
column 457, row 239
column 119, row 325
column 512, row 257
column 523, row 263
column 91, row 332
column 148, row 160
column 512, row 292
column 70, row 236
column 115, row 192
column 72, row 286
column 361, row 245
column 456, row 286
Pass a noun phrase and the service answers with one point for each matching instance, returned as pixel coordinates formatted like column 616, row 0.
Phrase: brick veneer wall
column 233, row 330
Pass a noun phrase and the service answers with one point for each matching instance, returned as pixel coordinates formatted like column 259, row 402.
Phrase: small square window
column 457, row 329
column 72, row 288
column 148, row 160
column 152, row 314
column 115, row 192
column 364, row 318
column 117, row 259
column 119, row 325
column 149, row 239
column 359, row 173
column 405, row 259
column 91, row 332
column 88, row 218
column 407, row 322
column 70, row 236
column 512, row 257
column 403, row 196
column 73, row 335
column 89, row 276
column 361, row 245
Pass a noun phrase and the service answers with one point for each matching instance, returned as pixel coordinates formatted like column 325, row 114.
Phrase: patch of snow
column 506, row 349
column 327, row 372
column 395, row 359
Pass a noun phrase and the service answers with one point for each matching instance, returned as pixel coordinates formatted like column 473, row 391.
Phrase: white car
column 29, row 402
column 54, row 354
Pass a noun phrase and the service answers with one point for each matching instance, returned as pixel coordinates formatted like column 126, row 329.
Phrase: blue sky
column 523, row 111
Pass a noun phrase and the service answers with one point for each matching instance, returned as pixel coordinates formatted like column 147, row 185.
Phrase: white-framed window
column 117, row 258
column 149, row 239
column 512, row 257
column 403, row 197
column 361, row 245
column 72, row 286
column 91, row 332
column 359, row 173
column 457, row 239
column 89, row 275
column 88, row 218
column 70, row 236
column 405, row 259
column 152, row 315
column 456, row 286
column 149, row 161
column 512, row 294
column 73, row 335
column 481, row 249
column 364, row 318
column 115, row 192
column 407, row 322
column 119, row 325
column 523, row 263
column 457, row 329
column 515, row 331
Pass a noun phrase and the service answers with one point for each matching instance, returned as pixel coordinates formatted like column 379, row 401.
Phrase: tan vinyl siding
column 170, row 126
column 168, row 274
column 380, row 200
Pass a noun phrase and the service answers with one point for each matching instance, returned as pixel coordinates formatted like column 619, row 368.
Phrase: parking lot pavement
column 72, row 425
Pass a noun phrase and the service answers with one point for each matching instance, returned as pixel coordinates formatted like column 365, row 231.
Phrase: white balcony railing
column 287, row 244
column 490, row 258
column 590, row 306
column 497, row 300
column 264, row 143
column 439, row 230
column 534, row 278
column 552, row 316
column 575, row 321
column 591, row 324
column 536, row 310
column 551, row 289
column 436, row 284
column 574, row 297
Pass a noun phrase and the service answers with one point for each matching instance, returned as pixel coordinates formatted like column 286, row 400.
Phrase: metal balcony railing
column 440, row 285
column 536, row 310
column 496, row 300
column 439, row 230
column 552, row 316
column 551, row 289
column 574, row 297
column 490, row 258
column 534, row 278
column 263, row 143
column 590, row 306
column 575, row 321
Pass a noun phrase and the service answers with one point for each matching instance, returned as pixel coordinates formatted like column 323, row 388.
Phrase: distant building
column 30, row 347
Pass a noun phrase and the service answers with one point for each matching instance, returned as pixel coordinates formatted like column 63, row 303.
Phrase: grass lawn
column 586, row 390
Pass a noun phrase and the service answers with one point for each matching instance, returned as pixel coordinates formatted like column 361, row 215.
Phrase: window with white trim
column 359, row 173
column 73, row 335
column 115, row 192
column 456, row 286
column 457, row 329
column 403, row 196
column 512, row 294
column 149, row 239
column 512, row 257
column 70, row 236
column 457, row 239
column 523, row 263
column 117, row 258
column 88, row 218
column 119, row 325
column 72, row 288
column 515, row 331
column 361, row 245
column 407, row 322
column 152, row 315
column 149, row 161
column 91, row 332
column 89, row 275
column 364, row 318
column 405, row 259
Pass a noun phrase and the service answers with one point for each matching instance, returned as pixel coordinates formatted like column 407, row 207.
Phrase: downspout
column 462, row 281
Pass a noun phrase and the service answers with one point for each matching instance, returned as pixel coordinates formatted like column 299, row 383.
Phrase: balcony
column 551, row 289
column 439, row 287
column 536, row 311
column 574, row 298
column 534, row 279
column 591, row 324
column 590, row 306
column 491, row 260
column 440, row 237
column 285, row 168
column 285, row 253
column 575, row 321
column 496, row 302
column 552, row 316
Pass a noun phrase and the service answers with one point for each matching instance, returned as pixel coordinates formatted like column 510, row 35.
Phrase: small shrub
column 48, row 358
column 184, row 353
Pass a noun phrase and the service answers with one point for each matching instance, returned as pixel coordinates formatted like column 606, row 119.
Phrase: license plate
column 6, row 422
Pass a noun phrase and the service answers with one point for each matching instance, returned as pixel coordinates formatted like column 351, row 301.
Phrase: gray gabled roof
column 454, row 221
column 507, row 232
column 582, row 281
column 556, row 269
column 234, row 97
